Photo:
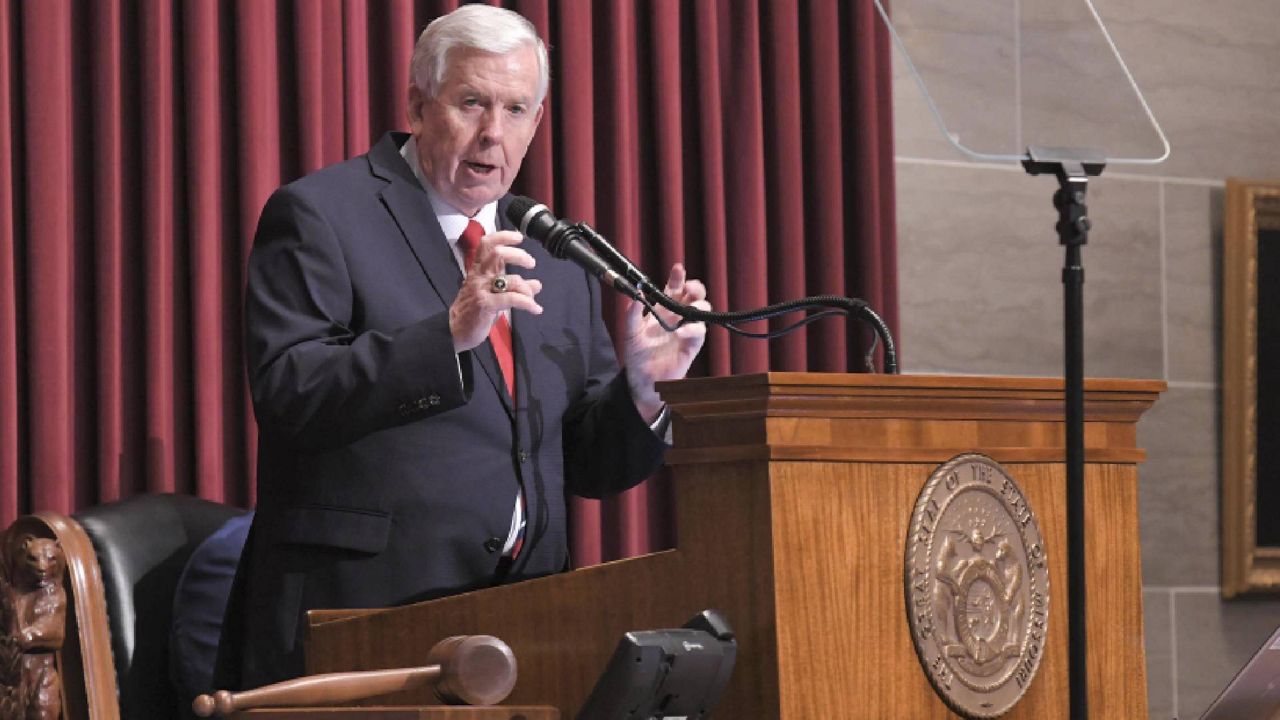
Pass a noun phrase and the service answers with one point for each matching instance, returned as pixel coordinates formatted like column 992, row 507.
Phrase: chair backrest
column 142, row 545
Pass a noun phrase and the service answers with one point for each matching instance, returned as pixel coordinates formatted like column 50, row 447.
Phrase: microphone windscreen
column 535, row 220
column 518, row 208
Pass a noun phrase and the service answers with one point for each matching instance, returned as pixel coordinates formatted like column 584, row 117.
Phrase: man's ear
column 417, row 104
column 537, row 116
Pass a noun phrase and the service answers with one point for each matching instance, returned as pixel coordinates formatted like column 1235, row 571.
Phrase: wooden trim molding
column 899, row 418
column 1251, row 206
column 97, row 681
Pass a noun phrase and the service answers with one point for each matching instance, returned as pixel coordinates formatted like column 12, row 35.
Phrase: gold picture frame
column 1252, row 211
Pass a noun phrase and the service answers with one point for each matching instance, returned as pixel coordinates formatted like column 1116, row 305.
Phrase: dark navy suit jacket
column 382, row 478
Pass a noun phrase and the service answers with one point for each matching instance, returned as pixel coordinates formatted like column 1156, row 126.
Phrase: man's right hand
column 477, row 306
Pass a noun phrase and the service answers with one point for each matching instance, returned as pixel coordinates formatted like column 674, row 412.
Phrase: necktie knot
column 469, row 241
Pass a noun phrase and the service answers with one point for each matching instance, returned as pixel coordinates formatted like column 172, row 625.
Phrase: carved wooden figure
column 33, row 613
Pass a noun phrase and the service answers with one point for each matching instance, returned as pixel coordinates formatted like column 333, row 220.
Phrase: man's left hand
column 652, row 354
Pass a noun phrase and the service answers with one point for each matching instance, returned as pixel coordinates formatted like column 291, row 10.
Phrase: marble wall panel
column 980, row 274
column 1193, row 277
column 1214, row 640
column 1157, row 606
column 1178, row 489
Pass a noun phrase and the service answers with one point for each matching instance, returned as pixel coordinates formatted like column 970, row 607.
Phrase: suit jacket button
column 492, row 545
column 433, row 400
column 524, row 456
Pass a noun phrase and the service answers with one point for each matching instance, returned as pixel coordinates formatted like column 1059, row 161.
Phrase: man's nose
column 491, row 126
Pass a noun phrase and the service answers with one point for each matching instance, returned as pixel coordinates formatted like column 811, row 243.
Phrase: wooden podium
column 794, row 492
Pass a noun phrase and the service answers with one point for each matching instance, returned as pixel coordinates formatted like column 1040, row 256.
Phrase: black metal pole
column 1073, row 304
column 1073, row 168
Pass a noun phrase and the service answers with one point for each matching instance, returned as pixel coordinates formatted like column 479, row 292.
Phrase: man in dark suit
column 427, row 386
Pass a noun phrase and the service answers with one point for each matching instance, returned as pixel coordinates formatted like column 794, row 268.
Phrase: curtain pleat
column 45, row 37
column 823, row 155
column 573, row 71
column 159, row 262
column 536, row 175
column 787, row 226
column 11, row 475
column 749, row 140
column 666, row 183
column 355, row 76
column 109, row 210
column 743, row 103
column 392, row 40
column 208, row 272
column 712, row 220
column 874, row 270
column 259, row 157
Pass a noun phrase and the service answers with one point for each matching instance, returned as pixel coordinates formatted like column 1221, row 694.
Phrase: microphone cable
column 833, row 304
column 827, row 306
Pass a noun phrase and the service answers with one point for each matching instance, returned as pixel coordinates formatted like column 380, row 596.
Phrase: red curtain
column 140, row 138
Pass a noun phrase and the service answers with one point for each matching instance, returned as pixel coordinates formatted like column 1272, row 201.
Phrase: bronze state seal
column 977, row 586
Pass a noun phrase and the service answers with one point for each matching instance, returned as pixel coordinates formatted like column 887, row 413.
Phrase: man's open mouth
column 481, row 168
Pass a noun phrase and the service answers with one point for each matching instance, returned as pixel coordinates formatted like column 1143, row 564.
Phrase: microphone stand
column 1073, row 167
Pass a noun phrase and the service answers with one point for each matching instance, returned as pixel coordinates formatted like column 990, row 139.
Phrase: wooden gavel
column 465, row 669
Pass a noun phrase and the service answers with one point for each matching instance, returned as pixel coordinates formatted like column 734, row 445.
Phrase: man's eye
column 470, row 102
column 516, row 109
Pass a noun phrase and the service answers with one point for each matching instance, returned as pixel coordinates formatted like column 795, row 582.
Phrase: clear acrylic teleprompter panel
column 1002, row 75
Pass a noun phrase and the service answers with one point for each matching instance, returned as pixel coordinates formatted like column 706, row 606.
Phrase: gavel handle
column 327, row 689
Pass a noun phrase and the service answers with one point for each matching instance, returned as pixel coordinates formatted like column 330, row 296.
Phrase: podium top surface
column 781, row 391
column 855, row 382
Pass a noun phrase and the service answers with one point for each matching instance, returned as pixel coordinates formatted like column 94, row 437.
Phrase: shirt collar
column 452, row 221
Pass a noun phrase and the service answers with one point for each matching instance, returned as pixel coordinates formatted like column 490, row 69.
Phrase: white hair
column 482, row 27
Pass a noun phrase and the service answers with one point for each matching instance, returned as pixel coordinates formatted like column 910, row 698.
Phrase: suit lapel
column 408, row 205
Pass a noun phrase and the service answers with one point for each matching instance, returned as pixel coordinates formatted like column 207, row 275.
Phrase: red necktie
column 500, row 339
column 500, row 332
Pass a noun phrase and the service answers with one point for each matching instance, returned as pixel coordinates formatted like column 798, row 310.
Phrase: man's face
column 472, row 136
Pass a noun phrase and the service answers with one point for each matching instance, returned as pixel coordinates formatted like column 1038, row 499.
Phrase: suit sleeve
column 608, row 446
column 314, row 379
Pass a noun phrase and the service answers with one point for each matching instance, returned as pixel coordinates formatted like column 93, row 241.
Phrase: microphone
column 565, row 241
column 616, row 259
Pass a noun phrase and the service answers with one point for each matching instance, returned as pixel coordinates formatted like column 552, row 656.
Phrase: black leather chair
column 142, row 545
